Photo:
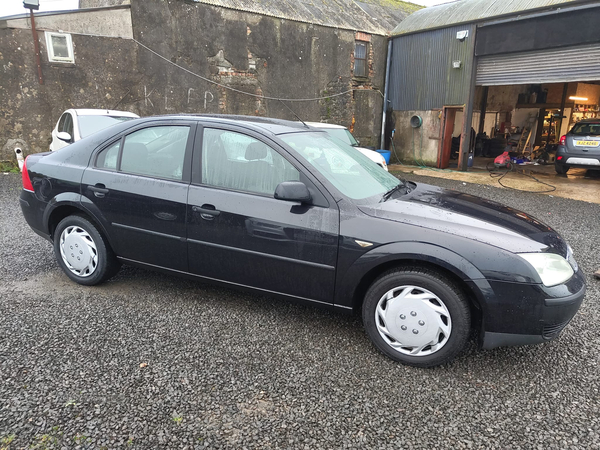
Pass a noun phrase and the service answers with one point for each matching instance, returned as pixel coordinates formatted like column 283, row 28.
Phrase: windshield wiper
column 389, row 193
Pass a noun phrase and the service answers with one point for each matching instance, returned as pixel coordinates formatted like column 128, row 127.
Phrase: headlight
column 553, row 269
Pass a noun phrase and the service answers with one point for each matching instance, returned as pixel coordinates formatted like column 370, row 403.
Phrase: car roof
column 589, row 121
column 325, row 125
column 103, row 112
column 274, row 126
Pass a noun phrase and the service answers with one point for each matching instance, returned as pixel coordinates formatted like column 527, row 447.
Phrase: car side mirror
column 292, row 191
column 63, row 136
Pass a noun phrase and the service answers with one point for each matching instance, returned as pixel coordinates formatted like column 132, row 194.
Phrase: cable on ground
column 500, row 173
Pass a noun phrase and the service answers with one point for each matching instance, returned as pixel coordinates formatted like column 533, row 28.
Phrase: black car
column 580, row 147
column 282, row 209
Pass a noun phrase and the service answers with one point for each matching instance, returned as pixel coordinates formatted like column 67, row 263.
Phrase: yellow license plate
column 587, row 143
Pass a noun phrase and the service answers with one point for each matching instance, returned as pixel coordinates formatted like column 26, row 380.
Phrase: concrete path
column 578, row 184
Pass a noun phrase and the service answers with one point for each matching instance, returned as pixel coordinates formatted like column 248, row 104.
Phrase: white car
column 343, row 134
column 75, row 124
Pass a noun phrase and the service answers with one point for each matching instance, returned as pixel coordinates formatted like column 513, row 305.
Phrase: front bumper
column 523, row 314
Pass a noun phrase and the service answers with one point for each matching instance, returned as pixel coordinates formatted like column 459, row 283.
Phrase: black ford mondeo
column 284, row 209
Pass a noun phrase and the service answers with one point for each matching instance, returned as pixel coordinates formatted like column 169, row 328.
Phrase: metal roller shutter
column 581, row 63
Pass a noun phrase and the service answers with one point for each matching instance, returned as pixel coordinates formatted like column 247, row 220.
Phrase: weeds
column 5, row 441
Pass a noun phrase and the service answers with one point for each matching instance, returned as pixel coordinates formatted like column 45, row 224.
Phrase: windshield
column 342, row 134
column 586, row 129
column 90, row 124
column 352, row 173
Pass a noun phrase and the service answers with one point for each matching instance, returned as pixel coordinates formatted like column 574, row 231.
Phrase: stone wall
column 261, row 55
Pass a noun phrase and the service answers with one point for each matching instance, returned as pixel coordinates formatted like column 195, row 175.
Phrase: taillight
column 26, row 181
column 563, row 139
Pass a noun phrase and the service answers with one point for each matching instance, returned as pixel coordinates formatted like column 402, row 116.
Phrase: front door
column 138, row 187
column 239, row 233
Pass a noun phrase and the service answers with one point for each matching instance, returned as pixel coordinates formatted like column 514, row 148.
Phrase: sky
column 12, row 7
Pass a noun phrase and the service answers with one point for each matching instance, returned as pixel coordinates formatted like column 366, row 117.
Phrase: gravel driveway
column 153, row 361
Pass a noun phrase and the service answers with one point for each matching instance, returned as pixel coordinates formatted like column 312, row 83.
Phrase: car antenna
column 296, row 115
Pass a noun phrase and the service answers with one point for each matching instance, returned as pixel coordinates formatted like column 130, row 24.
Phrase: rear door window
column 157, row 152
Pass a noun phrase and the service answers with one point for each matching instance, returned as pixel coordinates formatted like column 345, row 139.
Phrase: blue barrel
column 386, row 155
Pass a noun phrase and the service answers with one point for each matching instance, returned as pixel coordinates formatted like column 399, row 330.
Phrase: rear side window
column 68, row 125
column 586, row 129
column 157, row 152
column 107, row 158
column 61, row 122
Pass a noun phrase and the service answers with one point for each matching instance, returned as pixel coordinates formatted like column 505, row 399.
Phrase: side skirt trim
column 225, row 282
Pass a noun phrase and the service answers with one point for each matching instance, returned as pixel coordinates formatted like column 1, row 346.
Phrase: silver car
column 580, row 147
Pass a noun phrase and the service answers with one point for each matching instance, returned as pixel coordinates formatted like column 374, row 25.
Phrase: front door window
column 239, row 162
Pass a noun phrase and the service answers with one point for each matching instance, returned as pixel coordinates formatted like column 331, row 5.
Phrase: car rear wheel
column 561, row 169
column 82, row 252
column 417, row 317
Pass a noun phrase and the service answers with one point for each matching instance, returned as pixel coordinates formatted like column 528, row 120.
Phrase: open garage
column 489, row 77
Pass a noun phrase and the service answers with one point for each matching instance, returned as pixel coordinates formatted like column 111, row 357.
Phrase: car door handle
column 207, row 212
column 99, row 190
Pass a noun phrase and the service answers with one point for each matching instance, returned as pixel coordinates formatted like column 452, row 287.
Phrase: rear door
column 239, row 233
column 138, row 185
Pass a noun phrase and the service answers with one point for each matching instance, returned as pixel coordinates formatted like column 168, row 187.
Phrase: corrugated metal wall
column 422, row 77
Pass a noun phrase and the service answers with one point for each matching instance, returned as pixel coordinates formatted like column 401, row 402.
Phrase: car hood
column 470, row 217
column 371, row 154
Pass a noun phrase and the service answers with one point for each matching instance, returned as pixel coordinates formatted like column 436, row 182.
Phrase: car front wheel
column 82, row 252
column 417, row 317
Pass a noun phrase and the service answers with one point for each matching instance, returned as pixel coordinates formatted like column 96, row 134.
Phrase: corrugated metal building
column 440, row 54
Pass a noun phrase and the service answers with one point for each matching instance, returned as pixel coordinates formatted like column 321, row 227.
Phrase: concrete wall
column 106, row 22
column 244, row 51
column 98, row 79
column 417, row 145
column 102, row 3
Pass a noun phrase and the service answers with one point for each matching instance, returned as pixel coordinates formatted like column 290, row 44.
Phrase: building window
column 360, row 59
column 60, row 47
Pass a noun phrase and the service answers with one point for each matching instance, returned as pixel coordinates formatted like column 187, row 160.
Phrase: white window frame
column 51, row 56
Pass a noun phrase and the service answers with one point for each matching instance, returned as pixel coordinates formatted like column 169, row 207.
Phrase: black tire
column 106, row 264
column 451, row 297
column 561, row 169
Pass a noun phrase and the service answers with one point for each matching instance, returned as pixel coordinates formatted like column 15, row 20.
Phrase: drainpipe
column 36, row 46
column 385, row 92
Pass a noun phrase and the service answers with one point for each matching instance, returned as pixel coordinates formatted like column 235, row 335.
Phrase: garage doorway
column 449, row 125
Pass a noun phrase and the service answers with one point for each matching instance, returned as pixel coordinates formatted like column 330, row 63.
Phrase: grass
column 47, row 441
column 8, row 166
column 6, row 441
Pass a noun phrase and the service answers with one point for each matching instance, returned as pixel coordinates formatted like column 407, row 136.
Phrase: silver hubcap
column 413, row 320
column 78, row 251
